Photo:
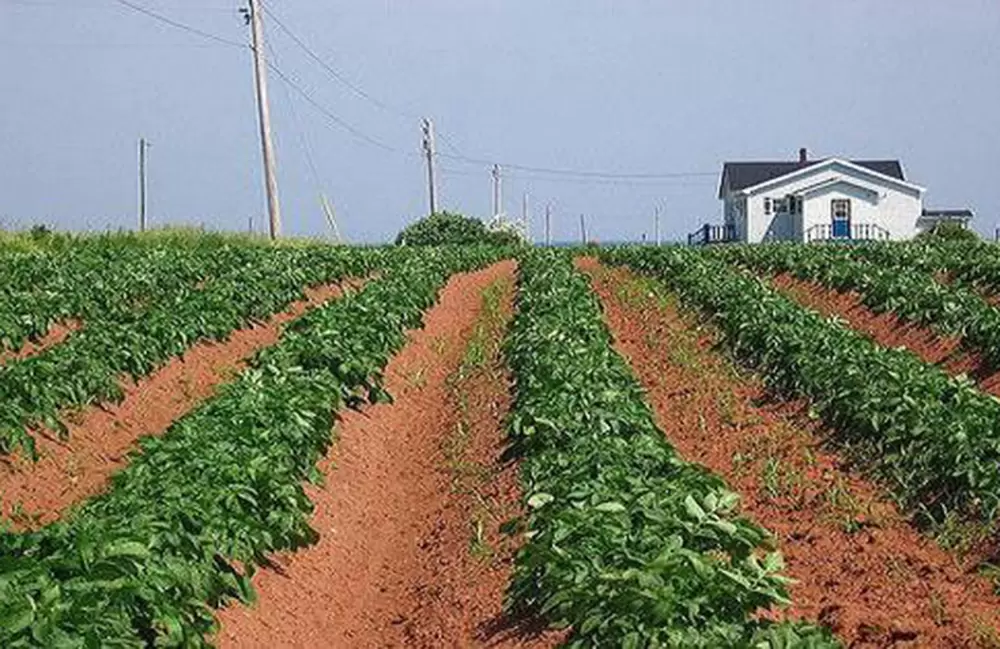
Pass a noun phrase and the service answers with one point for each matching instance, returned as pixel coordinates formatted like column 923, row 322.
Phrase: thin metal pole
column 428, row 128
column 548, row 225
column 656, row 226
column 525, row 217
column 264, row 116
column 583, row 230
column 497, row 191
column 143, row 145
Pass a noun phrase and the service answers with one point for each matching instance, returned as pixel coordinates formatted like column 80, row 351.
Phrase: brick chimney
column 803, row 155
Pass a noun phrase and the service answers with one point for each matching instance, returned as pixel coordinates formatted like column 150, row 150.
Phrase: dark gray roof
column 948, row 214
column 741, row 175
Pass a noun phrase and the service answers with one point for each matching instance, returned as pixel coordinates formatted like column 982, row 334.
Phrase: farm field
column 213, row 440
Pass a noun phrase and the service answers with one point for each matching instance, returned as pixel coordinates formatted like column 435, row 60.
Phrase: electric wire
column 179, row 25
column 302, row 139
column 358, row 133
column 337, row 75
column 458, row 155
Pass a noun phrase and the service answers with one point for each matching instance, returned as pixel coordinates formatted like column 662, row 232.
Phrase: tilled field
column 326, row 447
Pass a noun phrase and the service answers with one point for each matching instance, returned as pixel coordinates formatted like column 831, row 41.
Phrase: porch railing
column 858, row 232
column 709, row 233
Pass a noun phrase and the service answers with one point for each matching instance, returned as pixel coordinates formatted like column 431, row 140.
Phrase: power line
column 337, row 75
column 334, row 118
column 632, row 182
column 77, row 4
column 458, row 155
column 179, row 25
column 579, row 172
column 575, row 174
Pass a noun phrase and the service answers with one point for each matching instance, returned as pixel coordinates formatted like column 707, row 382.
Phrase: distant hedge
column 948, row 231
column 445, row 228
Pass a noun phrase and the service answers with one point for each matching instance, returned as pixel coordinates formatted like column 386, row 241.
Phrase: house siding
column 875, row 201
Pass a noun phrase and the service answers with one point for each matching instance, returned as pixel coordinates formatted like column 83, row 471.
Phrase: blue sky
column 627, row 87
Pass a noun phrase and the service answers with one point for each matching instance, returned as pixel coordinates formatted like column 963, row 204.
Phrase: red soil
column 859, row 567
column 101, row 437
column 55, row 335
column 395, row 564
column 889, row 331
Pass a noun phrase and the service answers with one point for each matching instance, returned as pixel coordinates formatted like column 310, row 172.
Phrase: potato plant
column 912, row 294
column 626, row 542
column 181, row 529
column 87, row 368
column 934, row 439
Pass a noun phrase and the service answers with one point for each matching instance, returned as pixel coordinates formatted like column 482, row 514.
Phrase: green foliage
column 970, row 263
column 144, row 564
column 949, row 231
column 912, row 294
column 239, row 285
column 934, row 439
column 627, row 543
column 445, row 228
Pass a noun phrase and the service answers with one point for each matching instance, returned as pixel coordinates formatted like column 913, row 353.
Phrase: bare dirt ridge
column 860, row 568
column 889, row 331
column 101, row 437
column 55, row 335
column 410, row 553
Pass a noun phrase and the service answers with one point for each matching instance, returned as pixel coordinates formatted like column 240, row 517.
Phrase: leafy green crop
column 88, row 366
column 627, row 543
column 145, row 563
column 913, row 295
column 106, row 278
column 935, row 439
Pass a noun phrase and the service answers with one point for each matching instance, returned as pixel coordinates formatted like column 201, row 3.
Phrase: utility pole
column 428, row 128
column 143, row 146
column 525, row 217
column 255, row 16
column 497, row 191
column 548, row 225
column 250, row 228
column 656, row 226
column 583, row 230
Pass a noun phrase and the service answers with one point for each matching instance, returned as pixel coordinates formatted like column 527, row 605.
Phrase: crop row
column 934, row 438
column 105, row 278
column 180, row 530
column 88, row 366
column 913, row 295
column 627, row 543
column 975, row 264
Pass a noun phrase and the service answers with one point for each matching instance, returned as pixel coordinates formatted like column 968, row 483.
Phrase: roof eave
column 746, row 191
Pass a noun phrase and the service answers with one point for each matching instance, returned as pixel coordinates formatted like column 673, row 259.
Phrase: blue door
column 840, row 215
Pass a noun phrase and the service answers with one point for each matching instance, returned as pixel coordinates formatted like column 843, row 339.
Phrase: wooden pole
column 264, row 116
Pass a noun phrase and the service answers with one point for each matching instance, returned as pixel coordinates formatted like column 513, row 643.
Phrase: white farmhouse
column 812, row 200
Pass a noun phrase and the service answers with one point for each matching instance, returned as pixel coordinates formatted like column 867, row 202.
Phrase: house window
column 767, row 206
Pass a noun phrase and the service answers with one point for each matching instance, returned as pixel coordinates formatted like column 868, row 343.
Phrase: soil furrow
column 889, row 330
column 55, row 335
column 860, row 568
column 100, row 437
column 410, row 553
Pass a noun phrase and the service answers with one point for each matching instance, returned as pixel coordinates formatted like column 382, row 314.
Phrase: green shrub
column 445, row 228
column 949, row 231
